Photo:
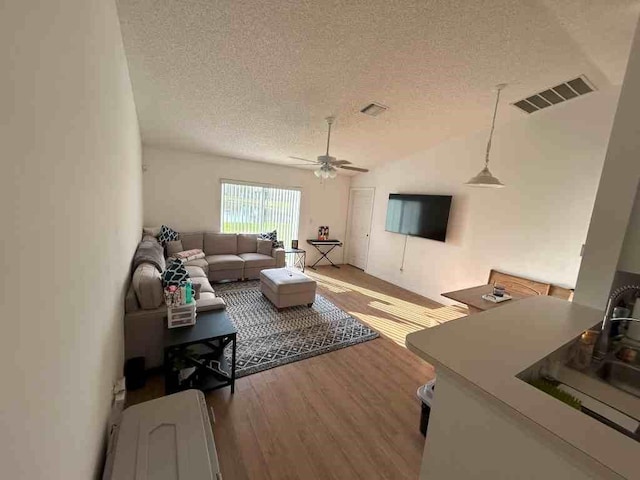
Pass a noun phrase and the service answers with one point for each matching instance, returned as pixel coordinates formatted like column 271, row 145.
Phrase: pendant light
column 485, row 179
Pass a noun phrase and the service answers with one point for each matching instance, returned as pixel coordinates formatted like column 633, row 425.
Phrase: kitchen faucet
column 601, row 347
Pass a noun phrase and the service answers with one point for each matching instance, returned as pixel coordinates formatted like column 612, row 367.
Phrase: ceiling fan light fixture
column 326, row 165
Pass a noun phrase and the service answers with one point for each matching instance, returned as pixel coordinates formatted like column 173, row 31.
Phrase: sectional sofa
column 231, row 256
column 228, row 256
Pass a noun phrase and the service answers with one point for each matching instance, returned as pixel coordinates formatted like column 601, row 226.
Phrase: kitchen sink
column 621, row 375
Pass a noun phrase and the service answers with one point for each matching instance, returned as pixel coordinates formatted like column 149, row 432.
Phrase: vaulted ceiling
column 255, row 79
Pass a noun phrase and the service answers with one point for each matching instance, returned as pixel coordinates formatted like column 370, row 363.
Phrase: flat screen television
column 424, row 216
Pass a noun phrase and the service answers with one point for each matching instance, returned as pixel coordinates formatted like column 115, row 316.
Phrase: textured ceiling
column 255, row 79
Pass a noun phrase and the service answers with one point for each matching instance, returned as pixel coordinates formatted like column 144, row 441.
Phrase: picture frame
column 294, row 244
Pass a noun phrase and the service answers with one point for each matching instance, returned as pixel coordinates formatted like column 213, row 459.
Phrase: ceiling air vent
column 558, row 94
column 374, row 109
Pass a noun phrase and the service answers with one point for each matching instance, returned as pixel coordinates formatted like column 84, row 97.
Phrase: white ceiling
column 255, row 79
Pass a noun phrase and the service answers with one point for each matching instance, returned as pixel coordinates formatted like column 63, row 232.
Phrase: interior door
column 360, row 211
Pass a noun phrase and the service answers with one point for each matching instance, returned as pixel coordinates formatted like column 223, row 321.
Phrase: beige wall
column 71, row 216
column 616, row 193
column 535, row 227
column 182, row 190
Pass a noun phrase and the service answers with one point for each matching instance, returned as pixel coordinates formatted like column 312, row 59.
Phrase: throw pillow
column 173, row 247
column 167, row 235
column 273, row 236
column 264, row 246
column 153, row 231
column 175, row 274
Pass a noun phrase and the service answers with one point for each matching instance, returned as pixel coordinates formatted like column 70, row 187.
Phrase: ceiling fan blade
column 304, row 159
column 355, row 169
column 300, row 165
column 340, row 162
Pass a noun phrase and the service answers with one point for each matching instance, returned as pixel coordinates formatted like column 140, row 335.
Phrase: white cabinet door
column 360, row 210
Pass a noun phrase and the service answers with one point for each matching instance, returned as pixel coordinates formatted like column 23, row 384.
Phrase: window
column 250, row 208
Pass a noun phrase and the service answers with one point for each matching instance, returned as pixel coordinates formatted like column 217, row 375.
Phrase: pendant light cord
column 493, row 125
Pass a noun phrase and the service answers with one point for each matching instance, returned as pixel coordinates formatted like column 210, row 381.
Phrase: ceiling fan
column 328, row 165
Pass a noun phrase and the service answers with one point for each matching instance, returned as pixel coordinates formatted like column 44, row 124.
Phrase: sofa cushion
column 195, row 271
column 173, row 247
column 220, row 243
column 200, row 262
column 264, row 246
column 255, row 260
column 224, row 262
column 247, row 243
column 208, row 301
column 147, row 285
column 130, row 300
column 192, row 240
column 205, row 286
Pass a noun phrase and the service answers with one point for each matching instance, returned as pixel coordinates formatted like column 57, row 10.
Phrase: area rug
column 268, row 338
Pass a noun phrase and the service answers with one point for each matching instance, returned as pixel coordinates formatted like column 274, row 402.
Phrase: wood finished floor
column 347, row 414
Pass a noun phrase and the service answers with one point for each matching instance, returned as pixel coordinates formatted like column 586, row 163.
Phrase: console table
column 319, row 245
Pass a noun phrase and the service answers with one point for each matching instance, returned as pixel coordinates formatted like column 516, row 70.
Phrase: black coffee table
column 200, row 346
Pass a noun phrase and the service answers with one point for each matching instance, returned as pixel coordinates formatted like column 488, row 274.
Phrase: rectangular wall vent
column 374, row 109
column 558, row 94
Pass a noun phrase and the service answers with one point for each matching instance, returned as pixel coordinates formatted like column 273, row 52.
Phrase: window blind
column 251, row 208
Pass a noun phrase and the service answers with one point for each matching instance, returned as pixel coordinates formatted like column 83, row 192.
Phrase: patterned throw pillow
column 167, row 235
column 175, row 274
column 273, row 236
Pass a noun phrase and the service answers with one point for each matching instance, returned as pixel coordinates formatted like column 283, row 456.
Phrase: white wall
column 535, row 227
column 630, row 256
column 71, row 216
column 616, row 194
column 193, row 199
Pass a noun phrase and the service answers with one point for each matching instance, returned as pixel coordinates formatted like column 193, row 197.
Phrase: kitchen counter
column 487, row 350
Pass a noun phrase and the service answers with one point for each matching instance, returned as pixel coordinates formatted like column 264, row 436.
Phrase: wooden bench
column 527, row 287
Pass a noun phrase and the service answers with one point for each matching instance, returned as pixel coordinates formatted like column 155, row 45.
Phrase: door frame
column 348, row 232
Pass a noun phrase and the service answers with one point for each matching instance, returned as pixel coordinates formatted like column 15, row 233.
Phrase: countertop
column 489, row 349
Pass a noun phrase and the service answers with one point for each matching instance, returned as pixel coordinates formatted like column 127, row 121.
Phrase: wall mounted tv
column 424, row 216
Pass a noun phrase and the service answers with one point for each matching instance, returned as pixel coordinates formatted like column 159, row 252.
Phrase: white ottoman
column 287, row 288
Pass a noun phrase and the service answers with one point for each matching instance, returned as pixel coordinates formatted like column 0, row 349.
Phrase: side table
column 194, row 356
column 299, row 257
